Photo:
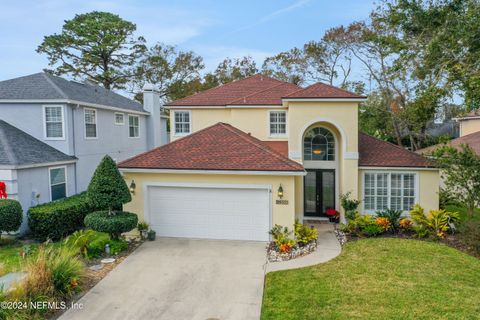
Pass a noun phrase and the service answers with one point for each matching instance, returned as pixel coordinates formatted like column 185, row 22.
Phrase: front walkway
column 181, row 279
column 327, row 249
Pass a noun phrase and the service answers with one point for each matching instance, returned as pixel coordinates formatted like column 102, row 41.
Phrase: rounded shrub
column 113, row 224
column 11, row 215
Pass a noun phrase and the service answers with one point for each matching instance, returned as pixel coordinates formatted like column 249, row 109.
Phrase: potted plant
column 332, row 214
column 143, row 227
column 151, row 235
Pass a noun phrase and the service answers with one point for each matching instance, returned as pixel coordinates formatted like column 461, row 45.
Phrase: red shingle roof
column 322, row 90
column 471, row 114
column 226, row 94
column 374, row 152
column 472, row 139
column 260, row 90
column 219, row 147
column 278, row 146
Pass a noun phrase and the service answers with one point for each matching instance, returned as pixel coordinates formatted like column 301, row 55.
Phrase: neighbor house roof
column 260, row 90
column 219, row 147
column 46, row 87
column 374, row 152
column 474, row 114
column 18, row 148
column 472, row 139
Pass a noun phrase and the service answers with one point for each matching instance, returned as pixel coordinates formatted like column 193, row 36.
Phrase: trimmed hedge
column 60, row 218
column 114, row 225
column 11, row 215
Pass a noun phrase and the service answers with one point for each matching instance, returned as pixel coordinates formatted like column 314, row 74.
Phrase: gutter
column 36, row 165
column 232, row 172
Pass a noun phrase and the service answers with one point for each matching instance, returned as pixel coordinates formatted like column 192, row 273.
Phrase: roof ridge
column 324, row 84
column 392, row 144
column 223, row 86
column 258, row 143
column 257, row 92
column 9, row 150
column 47, row 77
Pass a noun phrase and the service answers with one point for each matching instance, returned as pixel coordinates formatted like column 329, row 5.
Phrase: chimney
column 156, row 123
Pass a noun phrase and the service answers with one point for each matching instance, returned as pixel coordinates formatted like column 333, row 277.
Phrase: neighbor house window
column 389, row 191
column 278, row 123
column 58, row 183
column 90, row 123
column 54, row 123
column 319, row 144
column 133, row 126
column 119, row 118
column 182, row 122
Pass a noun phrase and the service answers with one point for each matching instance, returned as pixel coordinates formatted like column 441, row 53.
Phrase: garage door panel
column 213, row 213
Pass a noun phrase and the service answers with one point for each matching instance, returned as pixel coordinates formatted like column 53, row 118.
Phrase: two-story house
column 258, row 152
column 54, row 132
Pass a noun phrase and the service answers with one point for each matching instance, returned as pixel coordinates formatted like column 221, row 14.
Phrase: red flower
column 331, row 212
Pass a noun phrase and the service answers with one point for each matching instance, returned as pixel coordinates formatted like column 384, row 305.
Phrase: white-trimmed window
column 278, row 123
column 133, row 126
column 54, row 122
column 119, row 118
column 90, row 123
column 389, row 190
column 58, row 183
column 182, row 122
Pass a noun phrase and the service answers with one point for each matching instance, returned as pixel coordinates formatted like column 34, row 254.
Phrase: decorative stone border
column 341, row 236
column 274, row 256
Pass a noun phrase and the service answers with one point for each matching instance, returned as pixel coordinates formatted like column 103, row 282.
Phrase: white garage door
column 210, row 213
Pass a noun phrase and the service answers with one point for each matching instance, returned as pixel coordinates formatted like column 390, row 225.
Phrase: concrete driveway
column 181, row 279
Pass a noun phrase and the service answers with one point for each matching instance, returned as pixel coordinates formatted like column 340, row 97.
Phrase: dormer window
column 278, row 123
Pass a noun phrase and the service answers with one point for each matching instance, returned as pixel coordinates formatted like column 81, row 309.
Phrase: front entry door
column 319, row 192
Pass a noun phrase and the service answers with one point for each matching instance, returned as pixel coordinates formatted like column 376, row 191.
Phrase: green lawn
column 384, row 278
column 9, row 257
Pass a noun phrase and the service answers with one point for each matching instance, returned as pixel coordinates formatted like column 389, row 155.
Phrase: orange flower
column 285, row 248
column 383, row 223
column 405, row 224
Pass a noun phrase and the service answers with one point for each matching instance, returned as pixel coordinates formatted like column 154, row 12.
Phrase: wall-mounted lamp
column 132, row 187
column 280, row 192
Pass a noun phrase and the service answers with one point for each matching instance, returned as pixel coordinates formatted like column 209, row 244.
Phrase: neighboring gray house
column 66, row 129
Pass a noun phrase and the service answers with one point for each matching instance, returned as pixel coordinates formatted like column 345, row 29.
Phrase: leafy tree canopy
column 96, row 46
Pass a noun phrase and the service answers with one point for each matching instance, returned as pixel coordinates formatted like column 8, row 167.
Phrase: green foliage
column 282, row 236
column 446, row 199
column 107, row 189
column 80, row 240
column 372, row 230
column 470, row 234
column 176, row 73
column 60, row 218
column 393, row 216
column 98, row 46
column 303, row 234
column 421, row 231
column 67, row 271
column 143, row 226
column 114, row 225
column 349, row 205
column 96, row 247
column 461, row 175
column 436, row 221
column 11, row 215
column 359, row 223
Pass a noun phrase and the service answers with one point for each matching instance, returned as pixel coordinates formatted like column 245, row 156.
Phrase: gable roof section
column 472, row 139
column 219, row 147
column 44, row 86
column 18, row 148
column 261, row 90
column 374, row 152
column 474, row 114
column 322, row 91
column 227, row 93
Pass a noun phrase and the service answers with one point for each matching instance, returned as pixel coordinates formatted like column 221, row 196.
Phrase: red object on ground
column 331, row 212
column 3, row 190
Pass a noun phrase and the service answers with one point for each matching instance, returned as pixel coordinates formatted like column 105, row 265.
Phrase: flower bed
column 284, row 247
column 274, row 255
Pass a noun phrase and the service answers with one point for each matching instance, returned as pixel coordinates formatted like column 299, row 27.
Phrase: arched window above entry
column 319, row 145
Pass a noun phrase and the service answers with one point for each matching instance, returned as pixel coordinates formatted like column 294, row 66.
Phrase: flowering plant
column 331, row 212
column 384, row 223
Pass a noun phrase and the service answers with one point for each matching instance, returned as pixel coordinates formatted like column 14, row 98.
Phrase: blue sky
column 213, row 29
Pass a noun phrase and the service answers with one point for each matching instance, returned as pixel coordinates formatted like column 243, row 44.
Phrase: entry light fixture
column 132, row 187
column 280, row 192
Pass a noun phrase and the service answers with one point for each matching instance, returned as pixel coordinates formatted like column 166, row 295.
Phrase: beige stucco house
column 258, row 152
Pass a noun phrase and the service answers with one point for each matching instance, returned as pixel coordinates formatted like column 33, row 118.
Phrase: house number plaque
column 282, row 202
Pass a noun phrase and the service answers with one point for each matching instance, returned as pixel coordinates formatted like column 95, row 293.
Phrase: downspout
column 73, row 145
